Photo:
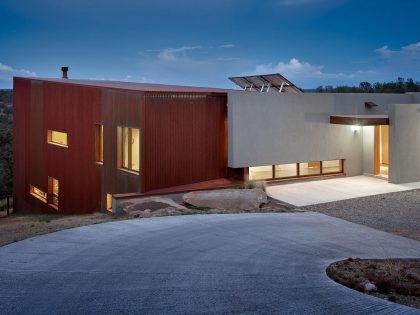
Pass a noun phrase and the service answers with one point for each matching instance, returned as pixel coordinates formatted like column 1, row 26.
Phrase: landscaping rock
column 144, row 207
column 228, row 199
column 369, row 287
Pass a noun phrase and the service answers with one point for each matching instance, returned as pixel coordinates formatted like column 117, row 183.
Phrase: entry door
column 381, row 150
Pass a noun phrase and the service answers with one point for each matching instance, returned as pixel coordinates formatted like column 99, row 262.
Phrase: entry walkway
column 328, row 190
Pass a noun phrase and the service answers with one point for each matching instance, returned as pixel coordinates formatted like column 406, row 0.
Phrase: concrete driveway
column 225, row 264
column 327, row 190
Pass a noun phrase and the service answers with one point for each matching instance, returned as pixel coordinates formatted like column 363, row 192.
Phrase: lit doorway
column 381, row 150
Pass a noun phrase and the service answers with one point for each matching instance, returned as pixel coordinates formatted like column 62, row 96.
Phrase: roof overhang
column 360, row 120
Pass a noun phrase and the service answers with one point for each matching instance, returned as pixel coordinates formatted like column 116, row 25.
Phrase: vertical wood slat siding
column 21, row 106
column 184, row 141
column 119, row 108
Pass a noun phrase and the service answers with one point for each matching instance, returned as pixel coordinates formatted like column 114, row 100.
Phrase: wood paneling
column 376, row 151
column 119, row 108
column 359, row 120
column 184, row 140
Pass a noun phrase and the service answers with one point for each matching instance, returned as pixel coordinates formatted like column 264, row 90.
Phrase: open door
column 381, row 150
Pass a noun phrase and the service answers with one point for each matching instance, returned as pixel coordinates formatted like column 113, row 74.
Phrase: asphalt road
column 201, row 264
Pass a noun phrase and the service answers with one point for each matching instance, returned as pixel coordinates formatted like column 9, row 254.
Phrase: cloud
column 170, row 54
column 299, row 69
column 209, row 67
column 7, row 72
column 306, row 74
column 407, row 53
column 227, row 46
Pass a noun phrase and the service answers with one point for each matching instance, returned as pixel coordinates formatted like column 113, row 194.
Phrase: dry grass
column 18, row 227
column 21, row 226
column 397, row 280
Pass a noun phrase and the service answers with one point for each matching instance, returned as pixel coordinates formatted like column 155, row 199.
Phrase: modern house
column 78, row 144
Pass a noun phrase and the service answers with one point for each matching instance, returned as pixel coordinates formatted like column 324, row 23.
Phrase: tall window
column 57, row 138
column 99, row 143
column 129, row 142
column 53, row 191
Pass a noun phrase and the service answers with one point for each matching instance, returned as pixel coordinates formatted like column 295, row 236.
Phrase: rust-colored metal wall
column 184, row 139
column 21, row 111
column 40, row 106
column 75, row 110
column 119, row 108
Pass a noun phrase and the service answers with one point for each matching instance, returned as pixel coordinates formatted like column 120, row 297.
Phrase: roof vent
column 65, row 70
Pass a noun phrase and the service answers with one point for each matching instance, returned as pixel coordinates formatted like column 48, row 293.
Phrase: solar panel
column 266, row 83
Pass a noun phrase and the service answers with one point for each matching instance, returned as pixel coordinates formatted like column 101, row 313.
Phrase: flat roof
column 360, row 120
column 133, row 86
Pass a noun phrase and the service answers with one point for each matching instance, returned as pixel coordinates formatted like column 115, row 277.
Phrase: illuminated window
column 261, row 172
column 129, row 143
column 99, row 143
column 286, row 170
column 109, row 202
column 310, row 168
column 333, row 166
column 38, row 193
column 57, row 138
column 53, row 191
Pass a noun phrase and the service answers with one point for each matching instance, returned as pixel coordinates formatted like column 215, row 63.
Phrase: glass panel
column 286, row 170
column 135, row 149
column 38, row 193
column 333, row 166
column 99, row 134
column 57, row 137
column 261, row 172
column 125, row 147
column 109, row 202
column 310, row 168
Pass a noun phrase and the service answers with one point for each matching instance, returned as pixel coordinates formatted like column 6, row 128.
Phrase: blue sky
column 312, row 42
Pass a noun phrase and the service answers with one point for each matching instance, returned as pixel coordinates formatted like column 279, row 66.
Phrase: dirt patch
column 17, row 227
column 395, row 280
column 21, row 226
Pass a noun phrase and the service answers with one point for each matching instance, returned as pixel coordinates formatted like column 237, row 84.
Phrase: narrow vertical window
column 99, row 143
column 129, row 143
column 109, row 202
column 53, row 191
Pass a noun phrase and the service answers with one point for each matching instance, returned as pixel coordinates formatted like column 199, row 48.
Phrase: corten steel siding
column 119, row 108
column 184, row 139
column 74, row 110
column 21, row 111
column 41, row 106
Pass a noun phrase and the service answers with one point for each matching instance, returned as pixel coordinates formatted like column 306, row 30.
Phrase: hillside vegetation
column 6, row 153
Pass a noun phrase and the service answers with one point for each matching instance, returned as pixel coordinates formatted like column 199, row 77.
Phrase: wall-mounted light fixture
column 355, row 128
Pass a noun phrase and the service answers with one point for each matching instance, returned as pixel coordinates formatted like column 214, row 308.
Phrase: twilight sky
column 202, row 43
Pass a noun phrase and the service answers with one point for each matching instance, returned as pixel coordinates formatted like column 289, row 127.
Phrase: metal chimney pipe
column 65, row 70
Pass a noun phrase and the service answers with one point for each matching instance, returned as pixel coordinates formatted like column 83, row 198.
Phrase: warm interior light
column 355, row 128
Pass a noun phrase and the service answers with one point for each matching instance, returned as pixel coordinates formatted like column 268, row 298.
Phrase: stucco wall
column 404, row 143
column 368, row 150
column 270, row 128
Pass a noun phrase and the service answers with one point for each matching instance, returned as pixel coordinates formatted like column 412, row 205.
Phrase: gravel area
column 397, row 213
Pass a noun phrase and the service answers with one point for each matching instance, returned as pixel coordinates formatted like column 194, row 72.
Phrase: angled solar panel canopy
column 266, row 83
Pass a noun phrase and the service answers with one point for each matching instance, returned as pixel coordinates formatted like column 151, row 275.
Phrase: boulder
column 145, row 206
column 227, row 199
